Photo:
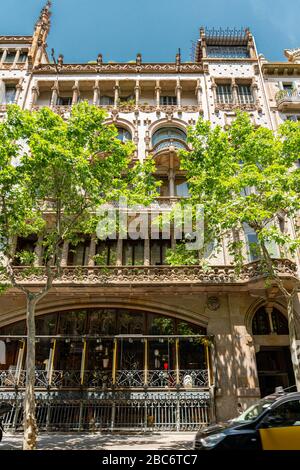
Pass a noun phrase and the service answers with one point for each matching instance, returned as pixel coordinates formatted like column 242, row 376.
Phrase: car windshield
column 254, row 411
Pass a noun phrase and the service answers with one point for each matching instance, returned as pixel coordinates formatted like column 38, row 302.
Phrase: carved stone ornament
column 293, row 55
column 213, row 303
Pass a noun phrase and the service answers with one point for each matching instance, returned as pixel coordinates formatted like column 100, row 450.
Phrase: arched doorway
column 273, row 359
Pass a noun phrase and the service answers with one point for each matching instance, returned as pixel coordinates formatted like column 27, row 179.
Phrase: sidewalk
column 97, row 441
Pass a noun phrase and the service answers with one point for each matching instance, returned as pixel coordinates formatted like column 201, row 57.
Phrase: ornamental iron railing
column 103, row 379
column 172, row 411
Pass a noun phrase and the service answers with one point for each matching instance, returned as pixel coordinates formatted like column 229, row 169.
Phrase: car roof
column 282, row 397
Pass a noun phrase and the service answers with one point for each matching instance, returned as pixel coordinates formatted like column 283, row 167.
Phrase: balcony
column 128, row 276
column 288, row 100
column 132, row 379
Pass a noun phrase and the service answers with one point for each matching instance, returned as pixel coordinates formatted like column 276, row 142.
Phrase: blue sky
column 156, row 28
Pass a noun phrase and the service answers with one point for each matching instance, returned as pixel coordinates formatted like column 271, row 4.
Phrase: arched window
column 123, row 134
column 167, row 136
column 265, row 324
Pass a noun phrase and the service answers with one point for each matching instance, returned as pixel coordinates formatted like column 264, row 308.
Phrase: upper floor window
column 166, row 100
column 181, row 187
column 245, row 94
column 232, row 52
column 123, row 134
column 288, row 88
column 224, row 94
column 10, row 57
column 10, row 94
column 158, row 250
column 106, row 252
column 106, row 100
column 133, row 252
column 22, row 57
column 78, row 254
column 169, row 136
column 264, row 323
column 64, row 100
column 293, row 117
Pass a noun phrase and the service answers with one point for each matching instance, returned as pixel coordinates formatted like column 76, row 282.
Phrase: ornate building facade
column 143, row 344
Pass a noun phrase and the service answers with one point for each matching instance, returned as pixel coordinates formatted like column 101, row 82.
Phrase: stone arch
column 121, row 122
column 164, row 122
column 256, row 306
column 110, row 302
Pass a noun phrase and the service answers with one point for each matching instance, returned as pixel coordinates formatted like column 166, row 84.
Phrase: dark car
column 271, row 424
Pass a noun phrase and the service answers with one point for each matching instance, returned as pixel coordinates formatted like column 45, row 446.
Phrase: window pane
column 245, row 94
column 224, row 94
column 287, row 414
column 260, row 323
column 10, row 93
column 10, row 57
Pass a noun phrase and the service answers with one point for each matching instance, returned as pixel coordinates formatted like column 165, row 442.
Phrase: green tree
column 53, row 176
column 246, row 177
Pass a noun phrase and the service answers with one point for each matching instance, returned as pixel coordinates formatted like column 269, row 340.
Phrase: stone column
column 235, row 97
column 18, row 90
column 4, row 54
column 203, row 43
column 199, row 93
column 54, row 96
column 64, row 256
column 269, row 311
column 38, row 251
column 214, row 90
column 254, row 89
column 96, row 97
column 2, row 92
column 137, row 93
column 16, row 59
column 157, row 91
column 147, row 255
column 92, row 252
column 76, row 93
column 34, row 95
column 119, row 261
column 117, row 91
column 178, row 93
column 172, row 183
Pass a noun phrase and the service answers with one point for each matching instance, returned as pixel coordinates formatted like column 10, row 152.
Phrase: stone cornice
column 120, row 67
column 15, row 39
column 281, row 68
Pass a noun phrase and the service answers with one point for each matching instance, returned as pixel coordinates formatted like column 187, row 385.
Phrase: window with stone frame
column 10, row 57
column 22, row 57
column 245, row 95
column 10, row 94
column 224, row 93
column 265, row 324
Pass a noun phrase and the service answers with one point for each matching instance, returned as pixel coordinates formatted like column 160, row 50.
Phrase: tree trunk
column 30, row 427
column 294, row 342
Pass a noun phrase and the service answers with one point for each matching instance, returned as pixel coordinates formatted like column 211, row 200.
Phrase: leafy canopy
column 245, row 175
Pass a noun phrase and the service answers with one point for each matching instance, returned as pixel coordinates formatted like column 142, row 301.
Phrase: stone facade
column 141, row 99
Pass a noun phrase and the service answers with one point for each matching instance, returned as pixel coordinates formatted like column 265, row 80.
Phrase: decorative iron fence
column 172, row 411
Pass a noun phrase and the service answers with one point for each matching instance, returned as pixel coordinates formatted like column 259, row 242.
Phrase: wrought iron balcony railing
column 102, row 379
